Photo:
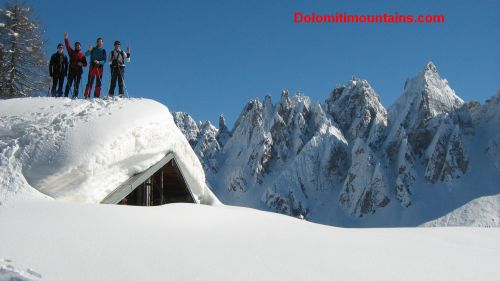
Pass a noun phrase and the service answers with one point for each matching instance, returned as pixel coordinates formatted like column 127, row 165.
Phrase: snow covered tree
column 2, row 64
column 22, row 60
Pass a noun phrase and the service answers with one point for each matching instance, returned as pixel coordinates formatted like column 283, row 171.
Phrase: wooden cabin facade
column 162, row 183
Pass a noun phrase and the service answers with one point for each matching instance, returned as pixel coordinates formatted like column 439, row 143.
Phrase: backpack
column 115, row 62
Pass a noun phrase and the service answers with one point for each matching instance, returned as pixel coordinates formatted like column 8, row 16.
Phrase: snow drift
column 73, row 241
column 78, row 150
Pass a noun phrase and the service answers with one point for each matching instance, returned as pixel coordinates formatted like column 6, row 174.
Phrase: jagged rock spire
column 430, row 68
column 224, row 134
column 222, row 122
column 356, row 108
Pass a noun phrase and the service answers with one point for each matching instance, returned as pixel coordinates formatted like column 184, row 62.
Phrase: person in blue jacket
column 97, row 59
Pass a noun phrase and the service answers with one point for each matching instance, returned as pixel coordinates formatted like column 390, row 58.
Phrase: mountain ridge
column 351, row 161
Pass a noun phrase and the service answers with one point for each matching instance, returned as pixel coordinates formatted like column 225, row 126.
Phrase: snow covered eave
column 131, row 184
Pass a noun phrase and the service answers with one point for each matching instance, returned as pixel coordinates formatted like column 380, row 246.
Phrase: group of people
column 59, row 68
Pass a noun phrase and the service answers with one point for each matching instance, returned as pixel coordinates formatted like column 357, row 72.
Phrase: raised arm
column 89, row 51
column 66, row 42
column 128, row 54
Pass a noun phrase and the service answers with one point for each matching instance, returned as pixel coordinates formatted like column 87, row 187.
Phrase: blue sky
column 211, row 57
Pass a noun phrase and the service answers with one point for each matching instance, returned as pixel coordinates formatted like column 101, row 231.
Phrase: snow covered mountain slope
column 351, row 162
column 483, row 211
column 71, row 241
column 77, row 150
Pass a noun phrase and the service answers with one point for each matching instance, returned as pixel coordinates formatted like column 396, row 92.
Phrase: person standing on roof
column 97, row 59
column 77, row 62
column 58, row 67
column 117, row 59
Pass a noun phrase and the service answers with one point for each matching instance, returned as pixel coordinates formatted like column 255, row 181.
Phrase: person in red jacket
column 77, row 62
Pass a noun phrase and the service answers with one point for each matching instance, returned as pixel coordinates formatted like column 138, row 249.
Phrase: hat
column 77, row 43
column 117, row 43
column 59, row 45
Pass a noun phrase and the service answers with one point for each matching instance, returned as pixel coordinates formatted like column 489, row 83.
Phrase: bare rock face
column 245, row 154
column 284, row 152
column 356, row 108
column 493, row 151
column 287, row 204
column 321, row 164
column 456, row 162
column 426, row 100
column 447, row 157
column 488, row 121
column 364, row 188
column 207, row 147
column 202, row 137
column 188, row 126
column 223, row 134
column 437, row 150
column 405, row 173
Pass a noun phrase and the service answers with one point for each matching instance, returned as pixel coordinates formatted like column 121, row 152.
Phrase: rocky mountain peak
column 222, row 122
column 252, row 113
column 356, row 108
column 188, row 126
column 430, row 92
column 430, row 68
column 427, row 99
column 207, row 125
column 223, row 134
column 268, row 102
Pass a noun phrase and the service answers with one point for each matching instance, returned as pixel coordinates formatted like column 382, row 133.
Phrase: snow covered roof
column 139, row 180
column 79, row 150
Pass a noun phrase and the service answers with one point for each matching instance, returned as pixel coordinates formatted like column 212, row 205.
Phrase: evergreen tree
column 22, row 60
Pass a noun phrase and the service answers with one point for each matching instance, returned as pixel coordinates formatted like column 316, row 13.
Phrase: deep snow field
column 60, row 157
column 73, row 241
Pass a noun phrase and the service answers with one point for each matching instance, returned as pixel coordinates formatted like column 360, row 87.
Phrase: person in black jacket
column 58, row 68
column 117, row 59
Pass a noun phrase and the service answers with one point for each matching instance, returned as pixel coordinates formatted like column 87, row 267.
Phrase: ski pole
column 103, row 85
column 70, row 92
column 109, row 82
column 125, row 87
column 80, row 87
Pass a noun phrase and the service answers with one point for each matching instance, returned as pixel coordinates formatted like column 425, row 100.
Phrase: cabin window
column 165, row 186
